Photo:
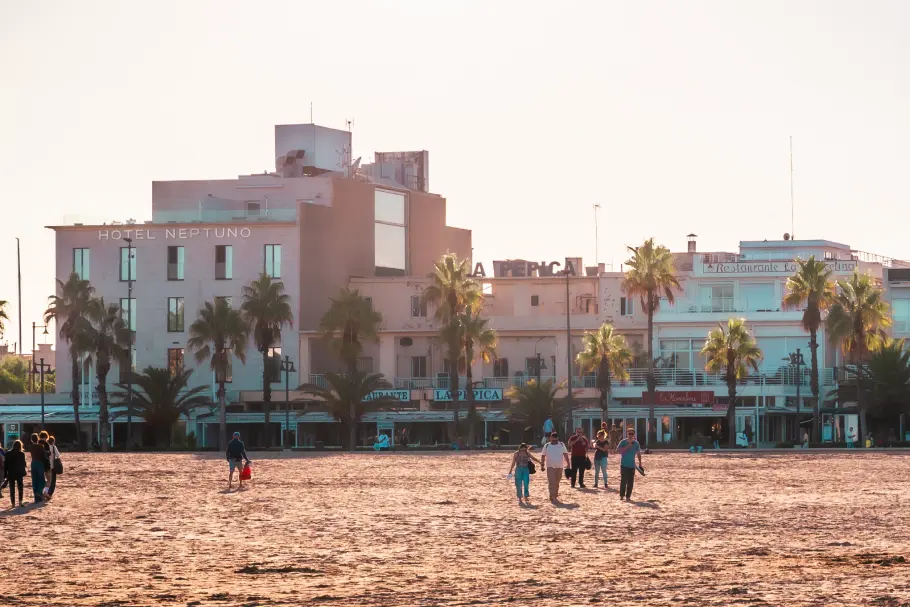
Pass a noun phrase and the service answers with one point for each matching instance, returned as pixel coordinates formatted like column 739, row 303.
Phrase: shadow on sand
column 25, row 509
column 527, row 506
column 559, row 504
column 646, row 505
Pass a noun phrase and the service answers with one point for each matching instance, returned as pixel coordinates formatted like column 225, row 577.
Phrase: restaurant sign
column 400, row 395
column 480, row 394
column 680, row 398
column 770, row 267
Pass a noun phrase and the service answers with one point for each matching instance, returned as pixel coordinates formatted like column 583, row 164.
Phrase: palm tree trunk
column 266, row 397
column 469, row 397
column 813, row 383
column 103, row 412
column 352, row 427
column 652, row 384
column 76, row 387
column 454, row 352
column 222, row 416
column 731, row 408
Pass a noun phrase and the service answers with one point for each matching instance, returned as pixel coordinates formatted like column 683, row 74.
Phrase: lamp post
column 35, row 326
column 757, row 428
column 287, row 365
column 566, row 273
column 795, row 359
column 39, row 369
column 540, row 363
column 596, row 240
column 129, row 326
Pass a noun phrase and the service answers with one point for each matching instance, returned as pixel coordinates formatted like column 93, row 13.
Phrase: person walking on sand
column 39, row 456
column 548, row 429
column 628, row 449
column 851, row 438
column 3, row 481
column 55, row 457
column 554, row 458
column 614, row 438
column 14, row 472
column 520, row 461
column 578, row 444
column 236, row 456
column 601, row 449
column 42, row 440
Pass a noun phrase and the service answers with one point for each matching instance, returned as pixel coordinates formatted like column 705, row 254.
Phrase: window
column 224, row 262
column 81, row 263
column 501, row 367
column 759, row 297
column 682, row 354
column 418, row 366
column 175, row 257
column 535, row 300
column 626, row 306
column 365, row 364
column 127, row 263
column 128, row 312
column 125, row 368
column 533, row 365
column 174, row 314
column 716, row 298
column 901, row 314
column 390, row 239
column 418, row 307
column 369, row 301
column 175, row 361
column 228, row 368
column 253, row 208
column 226, row 300
column 274, row 365
column 273, row 260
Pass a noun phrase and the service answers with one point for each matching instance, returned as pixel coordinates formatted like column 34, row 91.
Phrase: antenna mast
column 792, row 215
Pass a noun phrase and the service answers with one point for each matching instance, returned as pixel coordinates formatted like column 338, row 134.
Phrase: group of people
column 559, row 460
column 45, row 466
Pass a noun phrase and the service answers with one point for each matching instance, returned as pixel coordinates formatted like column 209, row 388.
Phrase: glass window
column 389, row 207
column 418, row 366
column 533, row 365
column 390, row 250
column 127, row 263
column 128, row 312
column 125, row 368
column 759, row 297
column 365, row 364
column 418, row 307
column 716, row 298
column 626, row 306
column 175, row 361
column 175, row 258
column 501, row 367
column 81, row 263
column 273, row 260
column 535, row 300
column 274, row 365
column 901, row 314
column 224, row 262
column 174, row 314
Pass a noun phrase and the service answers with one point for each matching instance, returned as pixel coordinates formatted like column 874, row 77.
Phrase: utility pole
column 39, row 368
column 19, row 274
column 288, row 367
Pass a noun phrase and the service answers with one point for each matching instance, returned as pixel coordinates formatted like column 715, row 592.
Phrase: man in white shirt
column 555, row 458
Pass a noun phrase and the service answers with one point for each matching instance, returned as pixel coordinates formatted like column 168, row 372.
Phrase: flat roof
column 132, row 227
column 761, row 244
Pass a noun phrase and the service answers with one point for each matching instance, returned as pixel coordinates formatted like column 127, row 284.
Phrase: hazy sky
column 674, row 116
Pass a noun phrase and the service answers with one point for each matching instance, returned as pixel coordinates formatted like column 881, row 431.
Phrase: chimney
column 692, row 238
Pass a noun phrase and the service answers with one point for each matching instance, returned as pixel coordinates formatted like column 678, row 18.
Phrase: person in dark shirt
column 236, row 456
column 578, row 445
column 14, row 471
column 37, row 467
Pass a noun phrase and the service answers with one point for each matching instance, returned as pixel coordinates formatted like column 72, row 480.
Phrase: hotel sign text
column 174, row 233
column 770, row 267
column 480, row 394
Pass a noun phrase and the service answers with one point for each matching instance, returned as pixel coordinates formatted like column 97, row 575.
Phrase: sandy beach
column 446, row 529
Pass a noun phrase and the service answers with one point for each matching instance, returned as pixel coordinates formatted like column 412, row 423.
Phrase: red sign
column 680, row 398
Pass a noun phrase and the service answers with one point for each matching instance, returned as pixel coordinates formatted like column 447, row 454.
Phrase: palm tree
column 479, row 341
column 4, row 317
column 733, row 351
column 452, row 291
column 856, row 321
column 650, row 276
column 266, row 309
column 160, row 397
column 889, row 368
column 345, row 398
column 352, row 316
column 535, row 402
column 66, row 309
column 218, row 331
column 811, row 285
column 104, row 333
column 605, row 352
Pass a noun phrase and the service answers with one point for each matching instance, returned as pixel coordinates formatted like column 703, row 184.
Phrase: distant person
column 14, row 471
column 554, row 457
column 614, row 438
column 628, row 449
column 578, row 445
column 851, row 438
column 601, row 450
column 4, row 481
column 236, row 456
column 548, row 429
column 520, row 461
column 39, row 456
column 55, row 459
column 805, row 440
column 42, row 440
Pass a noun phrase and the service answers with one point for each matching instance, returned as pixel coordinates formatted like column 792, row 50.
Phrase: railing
column 784, row 376
column 319, row 380
column 724, row 306
column 513, row 382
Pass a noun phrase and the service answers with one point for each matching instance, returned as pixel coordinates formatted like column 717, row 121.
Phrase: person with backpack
column 14, row 471
column 521, row 463
column 236, row 456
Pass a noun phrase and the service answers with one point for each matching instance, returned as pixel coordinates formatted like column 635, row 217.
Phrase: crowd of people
column 45, row 465
column 559, row 460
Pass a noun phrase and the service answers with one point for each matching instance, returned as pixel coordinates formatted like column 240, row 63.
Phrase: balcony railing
column 783, row 376
column 722, row 306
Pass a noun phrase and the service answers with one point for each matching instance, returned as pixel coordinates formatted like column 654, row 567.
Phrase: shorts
column 235, row 464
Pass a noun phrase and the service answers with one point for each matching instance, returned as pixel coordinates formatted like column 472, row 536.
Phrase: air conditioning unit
column 405, row 342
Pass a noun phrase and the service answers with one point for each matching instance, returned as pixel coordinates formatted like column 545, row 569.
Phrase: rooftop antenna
column 311, row 112
column 350, row 123
column 792, row 222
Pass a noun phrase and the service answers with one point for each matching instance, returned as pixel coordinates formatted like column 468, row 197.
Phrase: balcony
column 692, row 311
column 783, row 376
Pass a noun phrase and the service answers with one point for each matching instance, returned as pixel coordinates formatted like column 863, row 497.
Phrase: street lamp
column 287, row 365
column 39, row 368
column 795, row 359
column 129, row 326
column 35, row 326
column 541, row 365
column 569, row 399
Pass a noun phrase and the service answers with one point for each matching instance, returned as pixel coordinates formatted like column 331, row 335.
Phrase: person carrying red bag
column 236, row 456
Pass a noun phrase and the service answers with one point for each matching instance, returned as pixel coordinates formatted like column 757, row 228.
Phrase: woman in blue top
column 628, row 449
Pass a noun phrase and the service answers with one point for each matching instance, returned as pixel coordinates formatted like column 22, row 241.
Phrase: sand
column 446, row 529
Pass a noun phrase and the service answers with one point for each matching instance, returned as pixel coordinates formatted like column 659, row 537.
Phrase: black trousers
column 578, row 469
column 626, row 481
column 52, row 485
column 13, row 483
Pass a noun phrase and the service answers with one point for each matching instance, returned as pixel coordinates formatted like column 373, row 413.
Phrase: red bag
column 247, row 473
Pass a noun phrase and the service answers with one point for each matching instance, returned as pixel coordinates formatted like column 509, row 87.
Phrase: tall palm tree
column 266, row 309
column 534, row 403
column 889, row 368
column 66, row 309
column 733, row 351
column 217, row 332
column 856, row 321
column 479, row 343
column 160, row 397
column 650, row 276
column 104, row 334
column 811, row 285
column 346, row 398
column 452, row 291
column 352, row 316
column 4, row 317
column 606, row 352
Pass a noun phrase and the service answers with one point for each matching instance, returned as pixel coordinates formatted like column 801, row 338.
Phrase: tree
column 4, row 318
column 347, row 398
column 266, row 309
column 452, row 292
column 733, row 351
column 479, row 342
column 66, row 310
column 104, row 334
column 352, row 316
column 856, row 321
column 607, row 353
column 217, row 332
column 811, row 285
column 161, row 397
column 14, row 375
column 650, row 276
column 889, row 368
column 535, row 402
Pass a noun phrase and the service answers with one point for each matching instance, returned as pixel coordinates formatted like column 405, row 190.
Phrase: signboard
column 762, row 268
column 401, row 395
column 480, row 394
column 174, row 233
column 681, row 398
